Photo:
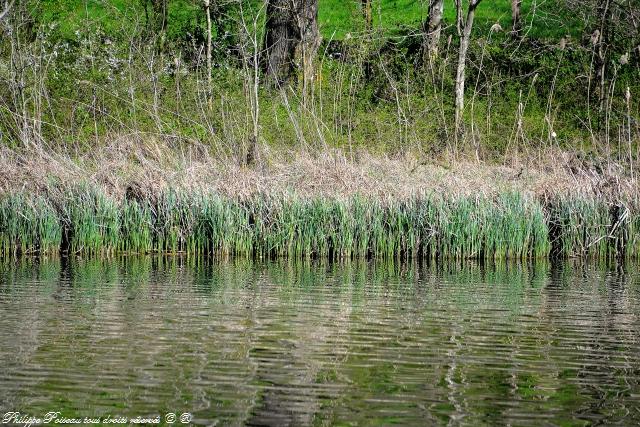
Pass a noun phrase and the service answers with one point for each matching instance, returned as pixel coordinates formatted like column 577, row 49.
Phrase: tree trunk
column 280, row 40
column 251, row 63
column 159, row 15
column 458, row 4
column 434, row 28
column 207, row 6
column 601, row 46
column 460, row 74
column 307, row 13
column 367, row 14
column 291, row 39
column 516, row 22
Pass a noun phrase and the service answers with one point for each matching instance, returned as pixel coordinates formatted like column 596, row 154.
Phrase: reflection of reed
column 315, row 342
column 589, row 312
column 293, row 362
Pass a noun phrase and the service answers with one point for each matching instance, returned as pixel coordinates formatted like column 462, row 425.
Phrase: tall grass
column 510, row 226
column 90, row 221
column 594, row 229
column 28, row 224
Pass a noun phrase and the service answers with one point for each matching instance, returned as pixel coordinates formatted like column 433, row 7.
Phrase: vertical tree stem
column 207, row 6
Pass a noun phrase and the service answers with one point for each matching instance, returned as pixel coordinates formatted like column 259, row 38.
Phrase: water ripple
column 305, row 344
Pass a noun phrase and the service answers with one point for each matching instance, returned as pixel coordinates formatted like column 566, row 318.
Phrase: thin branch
column 7, row 7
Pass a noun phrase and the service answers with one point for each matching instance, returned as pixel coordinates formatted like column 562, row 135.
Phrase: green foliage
column 337, row 18
column 89, row 71
column 136, row 227
column 107, row 74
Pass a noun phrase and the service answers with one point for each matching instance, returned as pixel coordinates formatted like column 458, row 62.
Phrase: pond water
column 240, row 343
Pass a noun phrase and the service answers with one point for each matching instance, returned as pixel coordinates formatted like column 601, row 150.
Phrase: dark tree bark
column 280, row 40
column 433, row 28
column 309, row 40
column 291, row 39
column 157, row 20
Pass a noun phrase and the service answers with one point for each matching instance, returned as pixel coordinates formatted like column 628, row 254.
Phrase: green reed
column 509, row 226
column 593, row 229
column 90, row 221
column 28, row 224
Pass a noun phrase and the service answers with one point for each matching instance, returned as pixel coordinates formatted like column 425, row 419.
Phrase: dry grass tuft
column 152, row 166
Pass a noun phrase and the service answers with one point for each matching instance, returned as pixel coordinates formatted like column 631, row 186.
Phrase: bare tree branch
column 7, row 7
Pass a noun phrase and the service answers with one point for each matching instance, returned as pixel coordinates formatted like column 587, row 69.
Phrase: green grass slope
column 544, row 19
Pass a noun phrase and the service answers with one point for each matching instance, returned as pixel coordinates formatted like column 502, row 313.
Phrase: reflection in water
column 313, row 343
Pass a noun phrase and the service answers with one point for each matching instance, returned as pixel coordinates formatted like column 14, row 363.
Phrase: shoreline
column 139, row 199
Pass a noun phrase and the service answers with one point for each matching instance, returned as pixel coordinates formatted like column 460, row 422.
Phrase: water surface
column 321, row 344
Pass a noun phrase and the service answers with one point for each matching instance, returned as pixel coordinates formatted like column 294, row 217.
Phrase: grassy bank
column 143, row 196
column 78, row 72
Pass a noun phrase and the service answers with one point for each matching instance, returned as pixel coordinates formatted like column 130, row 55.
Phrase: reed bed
column 85, row 220
column 28, row 224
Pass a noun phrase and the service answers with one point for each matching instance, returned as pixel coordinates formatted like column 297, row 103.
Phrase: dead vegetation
column 153, row 166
